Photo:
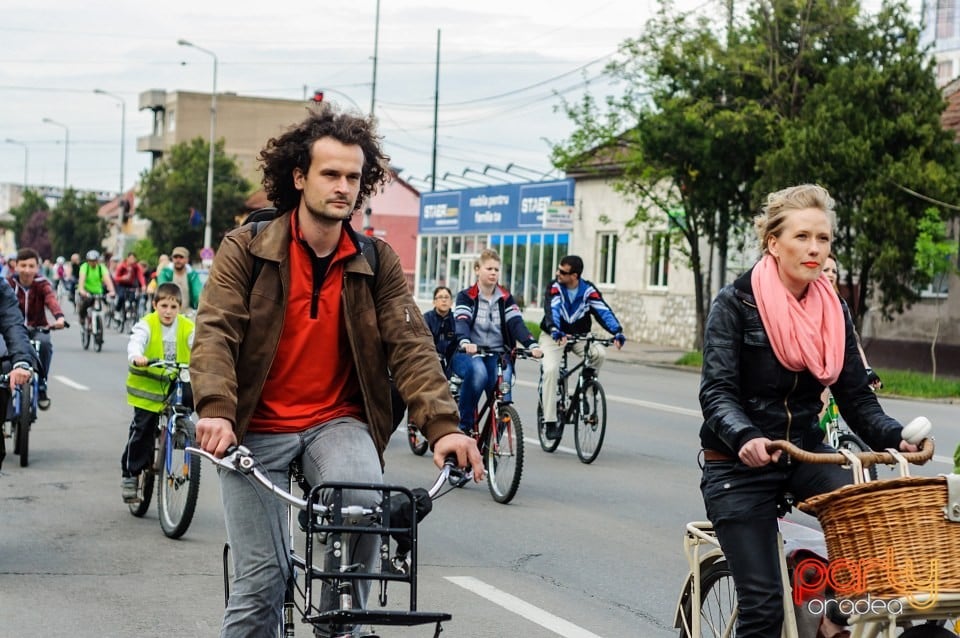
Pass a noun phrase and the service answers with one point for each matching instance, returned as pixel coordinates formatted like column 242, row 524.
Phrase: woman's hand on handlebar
column 463, row 447
column 754, row 453
column 215, row 435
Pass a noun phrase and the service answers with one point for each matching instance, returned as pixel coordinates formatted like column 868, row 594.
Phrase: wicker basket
column 890, row 531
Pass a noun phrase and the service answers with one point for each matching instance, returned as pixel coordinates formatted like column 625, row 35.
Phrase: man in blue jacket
column 568, row 305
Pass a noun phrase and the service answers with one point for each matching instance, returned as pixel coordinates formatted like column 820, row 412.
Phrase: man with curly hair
column 292, row 359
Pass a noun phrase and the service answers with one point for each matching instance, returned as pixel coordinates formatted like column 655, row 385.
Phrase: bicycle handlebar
column 240, row 459
column 590, row 337
column 890, row 457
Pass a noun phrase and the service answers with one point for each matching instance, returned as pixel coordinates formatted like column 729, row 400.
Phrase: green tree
column 145, row 250
column 934, row 253
column 74, row 226
column 800, row 91
column 870, row 132
column 178, row 183
column 32, row 203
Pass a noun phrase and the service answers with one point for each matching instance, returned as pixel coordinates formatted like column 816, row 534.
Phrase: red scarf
column 806, row 334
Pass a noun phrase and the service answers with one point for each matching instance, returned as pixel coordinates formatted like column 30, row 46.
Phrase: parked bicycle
column 175, row 468
column 395, row 521
column 708, row 600
column 93, row 327
column 584, row 405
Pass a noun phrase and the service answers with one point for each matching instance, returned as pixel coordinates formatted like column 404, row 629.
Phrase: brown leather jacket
column 238, row 329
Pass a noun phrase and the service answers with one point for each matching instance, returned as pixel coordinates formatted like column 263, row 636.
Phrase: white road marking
column 522, row 608
column 70, row 382
column 663, row 407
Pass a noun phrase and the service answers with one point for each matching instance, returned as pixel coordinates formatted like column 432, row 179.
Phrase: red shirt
column 312, row 378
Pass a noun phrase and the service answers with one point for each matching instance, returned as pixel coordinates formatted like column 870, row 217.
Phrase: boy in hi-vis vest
column 162, row 334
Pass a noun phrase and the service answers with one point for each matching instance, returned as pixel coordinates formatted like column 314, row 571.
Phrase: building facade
column 244, row 123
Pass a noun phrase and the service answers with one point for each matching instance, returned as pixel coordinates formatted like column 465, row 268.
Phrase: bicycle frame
column 335, row 523
column 702, row 550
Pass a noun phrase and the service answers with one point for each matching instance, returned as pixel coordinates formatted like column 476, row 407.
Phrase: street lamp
column 66, row 149
column 208, row 229
column 26, row 158
column 123, row 128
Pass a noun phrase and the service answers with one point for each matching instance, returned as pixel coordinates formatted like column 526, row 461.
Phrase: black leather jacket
column 745, row 393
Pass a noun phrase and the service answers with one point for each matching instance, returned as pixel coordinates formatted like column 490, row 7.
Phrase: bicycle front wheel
column 547, row 445
column 718, row 603
column 98, row 332
column 853, row 443
column 85, row 336
column 21, row 425
column 179, row 480
column 591, row 422
column 505, row 455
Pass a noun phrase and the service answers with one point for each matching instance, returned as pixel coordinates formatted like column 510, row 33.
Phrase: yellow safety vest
column 147, row 387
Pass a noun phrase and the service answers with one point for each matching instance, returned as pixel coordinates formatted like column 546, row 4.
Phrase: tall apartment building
column 244, row 123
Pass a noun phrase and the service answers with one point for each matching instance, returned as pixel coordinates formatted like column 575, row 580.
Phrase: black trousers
column 741, row 502
column 138, row 452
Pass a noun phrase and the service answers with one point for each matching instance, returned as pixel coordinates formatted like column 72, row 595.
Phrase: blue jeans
column 479, row 375
column 257, row 527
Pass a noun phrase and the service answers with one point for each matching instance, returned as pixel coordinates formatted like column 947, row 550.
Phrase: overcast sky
column 502, row 65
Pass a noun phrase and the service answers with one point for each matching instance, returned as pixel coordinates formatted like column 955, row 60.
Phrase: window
column 944, row 71
column 945, row 18
column 607, row 258
column 659, row 244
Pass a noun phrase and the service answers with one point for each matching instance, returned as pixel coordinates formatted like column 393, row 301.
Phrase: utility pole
column 436, row 99
column 376, row 46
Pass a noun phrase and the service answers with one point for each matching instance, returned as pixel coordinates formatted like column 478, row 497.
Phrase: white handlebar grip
column 917, row 430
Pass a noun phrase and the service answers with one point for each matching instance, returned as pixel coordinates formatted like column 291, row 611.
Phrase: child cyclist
column 161, row 334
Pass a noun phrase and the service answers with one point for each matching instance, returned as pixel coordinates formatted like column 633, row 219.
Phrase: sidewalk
column 648, row 353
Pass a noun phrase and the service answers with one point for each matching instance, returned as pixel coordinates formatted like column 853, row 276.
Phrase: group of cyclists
column 486, row 316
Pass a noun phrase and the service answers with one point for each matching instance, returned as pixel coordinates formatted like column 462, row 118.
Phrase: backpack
column 263, row 216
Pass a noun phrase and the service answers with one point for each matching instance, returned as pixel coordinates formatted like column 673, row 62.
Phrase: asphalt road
column 582, row 551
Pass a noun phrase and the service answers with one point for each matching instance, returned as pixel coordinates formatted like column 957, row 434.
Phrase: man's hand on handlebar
column 19, row 376
column 215, row 435
column 754, row 453
column 463, row 447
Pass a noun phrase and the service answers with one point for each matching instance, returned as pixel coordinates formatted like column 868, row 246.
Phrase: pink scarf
column 806, row 334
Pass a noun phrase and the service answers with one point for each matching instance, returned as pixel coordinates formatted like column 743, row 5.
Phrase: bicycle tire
column 98, row 333
column 179, row 480
column 85, row 337
column 718, row 603
column 145, row 485
column 590, row 426
column 928, row 630
column 852, row 442
column 417, row 442
column 547, row 445
column 21, row 425
column 505, row 457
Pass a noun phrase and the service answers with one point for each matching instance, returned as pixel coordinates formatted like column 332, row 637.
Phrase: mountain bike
column 175, row 469
column 584, row 407
column 708, row 599
column 394, row 521
column 499, row 432
column 92, row 328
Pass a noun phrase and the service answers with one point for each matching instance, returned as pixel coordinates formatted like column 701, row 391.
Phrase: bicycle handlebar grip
column 866, row 458
column 917, row 430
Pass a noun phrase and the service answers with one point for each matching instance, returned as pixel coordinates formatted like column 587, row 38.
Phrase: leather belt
column 714, row 455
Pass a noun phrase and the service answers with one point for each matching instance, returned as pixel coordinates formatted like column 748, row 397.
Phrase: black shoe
column 550, row 431
column 43, row 401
